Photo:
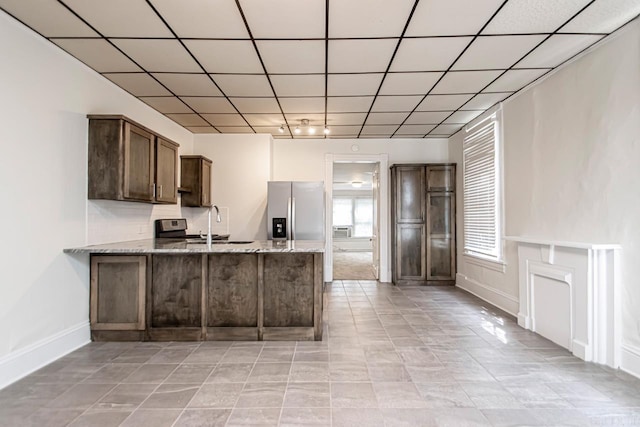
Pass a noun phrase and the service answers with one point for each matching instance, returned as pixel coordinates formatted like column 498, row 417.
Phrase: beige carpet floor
column 353, row 266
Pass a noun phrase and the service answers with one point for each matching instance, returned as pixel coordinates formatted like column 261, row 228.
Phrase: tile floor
column 391, row 357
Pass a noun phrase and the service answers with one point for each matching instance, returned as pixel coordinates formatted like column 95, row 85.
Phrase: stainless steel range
column 176, row 229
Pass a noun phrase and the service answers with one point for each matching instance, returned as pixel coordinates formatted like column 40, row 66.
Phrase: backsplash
column 112, row 221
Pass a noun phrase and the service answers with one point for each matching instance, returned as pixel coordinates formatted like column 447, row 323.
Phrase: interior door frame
column 383, row 209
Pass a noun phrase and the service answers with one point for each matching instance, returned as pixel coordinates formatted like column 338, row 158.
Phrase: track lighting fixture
column 310, row 129
column 281, row 129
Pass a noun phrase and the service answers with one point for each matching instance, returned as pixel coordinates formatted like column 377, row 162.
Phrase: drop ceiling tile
column 533, row 16
column 345, row 130
column 465, row 81
column 273, row 130
column 427, row 117
column 203, row 18
column 298, row 85
column 208, row 104
column 226, row 56
column 158, row 55
column 349, row 104
column 415, row 129
column 292, row 19
column 385, row 130
column 557, row 49
column 51, row 20
column 201, row 129
column 346, row 119
column 443, row 102
column 386, row 118
column 446, row 130
column 603, row 16
column 302, row 105
column 451, row 17
column 314, row 119
column 433, row 54
column 360, row 56
column 166, row 104
column 188, row 84
column 256, row 105
column 463, row 117
column 353, row 84
column 138, row 84
column 98, row 54
column 514, row 80
column 483, row 101
column 235, row 129
column 496, row 52
column 292, row 56
column 120, row 18
column 409, row 83
column 368, row 18
column 254, row 85
column 265, row 119
column 188, row 119
column 396, row 103
column 225, row 119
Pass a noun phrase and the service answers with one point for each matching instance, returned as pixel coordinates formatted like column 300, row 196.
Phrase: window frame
column 494, row 261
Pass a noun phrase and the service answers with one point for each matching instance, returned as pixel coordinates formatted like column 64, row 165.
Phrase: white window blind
column 481, row 190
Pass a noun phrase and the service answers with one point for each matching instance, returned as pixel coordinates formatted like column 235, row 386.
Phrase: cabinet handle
column 154, row 190
column 160, row 190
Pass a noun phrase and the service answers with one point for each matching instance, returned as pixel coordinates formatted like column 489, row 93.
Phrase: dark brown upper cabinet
column 195, row 181
column 130, row 162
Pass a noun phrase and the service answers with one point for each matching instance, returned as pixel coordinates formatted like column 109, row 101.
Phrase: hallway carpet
column 353, row 266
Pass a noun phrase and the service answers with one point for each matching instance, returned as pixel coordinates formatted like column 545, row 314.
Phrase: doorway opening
column 355, row 220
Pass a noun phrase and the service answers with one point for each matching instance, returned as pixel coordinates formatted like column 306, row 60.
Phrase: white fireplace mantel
column 569, row 293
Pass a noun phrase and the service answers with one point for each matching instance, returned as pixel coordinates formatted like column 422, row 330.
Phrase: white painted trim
column 384, row 232
column 630, row 360
column 21, row 363
column 496, row 297
column 552, row 243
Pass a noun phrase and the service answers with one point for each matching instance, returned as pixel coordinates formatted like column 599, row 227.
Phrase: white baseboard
column 502, row 300
column 630, row 360
column 21, row 363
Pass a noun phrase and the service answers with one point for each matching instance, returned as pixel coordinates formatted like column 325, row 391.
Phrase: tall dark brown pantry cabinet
column 423, row 224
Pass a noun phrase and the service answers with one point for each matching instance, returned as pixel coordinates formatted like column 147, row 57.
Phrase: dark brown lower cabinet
column 424, row 231
column 117, row 306
column 222, row 296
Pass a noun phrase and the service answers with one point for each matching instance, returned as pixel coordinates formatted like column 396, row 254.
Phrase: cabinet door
column 118, row 292
column 410, row 194
column 138, row 163
column 176, row 291
column 206, row 183
column 410, row 252
column 441, row 178
column 441, row 236
column 166, row 172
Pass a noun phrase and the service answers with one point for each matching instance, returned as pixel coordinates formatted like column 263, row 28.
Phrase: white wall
column 46, row 96
column 241, row 169
column 304, row 159
column 571, row 164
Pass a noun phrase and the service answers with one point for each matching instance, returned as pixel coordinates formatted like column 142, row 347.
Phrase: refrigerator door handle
column 293, row 218
column 289, row 205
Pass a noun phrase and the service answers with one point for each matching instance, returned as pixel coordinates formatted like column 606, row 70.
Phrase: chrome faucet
column 218, row 219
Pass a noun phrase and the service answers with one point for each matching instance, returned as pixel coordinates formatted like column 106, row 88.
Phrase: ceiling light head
column 326, row 131
column 356, row 184
column 297, row 130
column 281, row 129
column 311, row 130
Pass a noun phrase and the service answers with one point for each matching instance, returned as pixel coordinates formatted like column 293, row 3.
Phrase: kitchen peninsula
column 159, row 290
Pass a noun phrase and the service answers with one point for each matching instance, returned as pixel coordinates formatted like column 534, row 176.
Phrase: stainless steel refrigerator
column 295, row 210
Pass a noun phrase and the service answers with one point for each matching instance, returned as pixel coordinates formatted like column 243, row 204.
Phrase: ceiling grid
column 361, row 68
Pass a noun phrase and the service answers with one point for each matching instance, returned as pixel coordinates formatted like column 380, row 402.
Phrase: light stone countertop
column 178, row 246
